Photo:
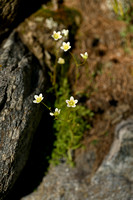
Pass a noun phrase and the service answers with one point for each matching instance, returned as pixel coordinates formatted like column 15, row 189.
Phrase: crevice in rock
column 37, row 164
column 24, row 10
column 2, row 104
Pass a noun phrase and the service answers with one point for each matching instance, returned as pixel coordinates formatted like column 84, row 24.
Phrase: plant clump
column 71, row 118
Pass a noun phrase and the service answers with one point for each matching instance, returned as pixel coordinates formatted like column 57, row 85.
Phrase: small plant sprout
column 84, row 56
column 71, row 102
column 65, row 32
column 57, row 35
column 55, row 113
column 61, row 61
column 65, row 46
column 38, row 98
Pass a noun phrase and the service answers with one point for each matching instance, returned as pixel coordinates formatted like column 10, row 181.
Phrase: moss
column 69, row 17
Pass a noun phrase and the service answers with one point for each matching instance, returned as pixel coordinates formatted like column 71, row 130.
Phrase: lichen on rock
column 21, row 77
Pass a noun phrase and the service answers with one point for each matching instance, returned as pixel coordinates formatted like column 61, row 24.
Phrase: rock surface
column 13, row 12
column 21, row 77
column 113, row 179
column 8, row 13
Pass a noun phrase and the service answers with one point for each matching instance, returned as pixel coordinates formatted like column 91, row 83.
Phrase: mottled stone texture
column 21, row 77
column 14, row 11
column 114, row 178
column 112, row 181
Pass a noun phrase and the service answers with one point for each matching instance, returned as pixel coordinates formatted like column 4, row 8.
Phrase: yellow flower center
column 56, row 36
column 39, row 99
column 66, row 46
column 71, row 103
column 85, row 57
column 56, row 113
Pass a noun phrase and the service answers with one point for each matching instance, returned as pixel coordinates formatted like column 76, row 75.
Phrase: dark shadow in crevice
column 99, row 111
column 101, row 53
column 95, row 42
column 2, row 104
column 25, row 9
column 37, row 164
column 113, row 102
column 114, row 60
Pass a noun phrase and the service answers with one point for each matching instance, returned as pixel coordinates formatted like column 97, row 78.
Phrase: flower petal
column 71, row 98
column 74, row 106
column 35, row 96
column 76, row 101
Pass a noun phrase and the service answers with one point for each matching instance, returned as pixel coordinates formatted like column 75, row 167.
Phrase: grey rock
column 112, row 181
column 21, row 77
column 12, row 12
column 8, row 13
column 114, row 178
column 66, row 183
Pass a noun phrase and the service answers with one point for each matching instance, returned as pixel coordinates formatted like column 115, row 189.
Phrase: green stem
column 71, row 125
column 46, row 106
column 69, row 155
column 82, row 63
column 74, row 58
column 77, row 65
column 62, row 71
column 54, row 73
column 77, row 68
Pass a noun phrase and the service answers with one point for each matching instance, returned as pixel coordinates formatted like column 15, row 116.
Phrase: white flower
column 65, row 46
column 84, row 56
column 71, row 102
column 61, row 61
column 57, row 35
column 38, row 99
column 56, row 112
column 50, row 23
column 65, row 32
